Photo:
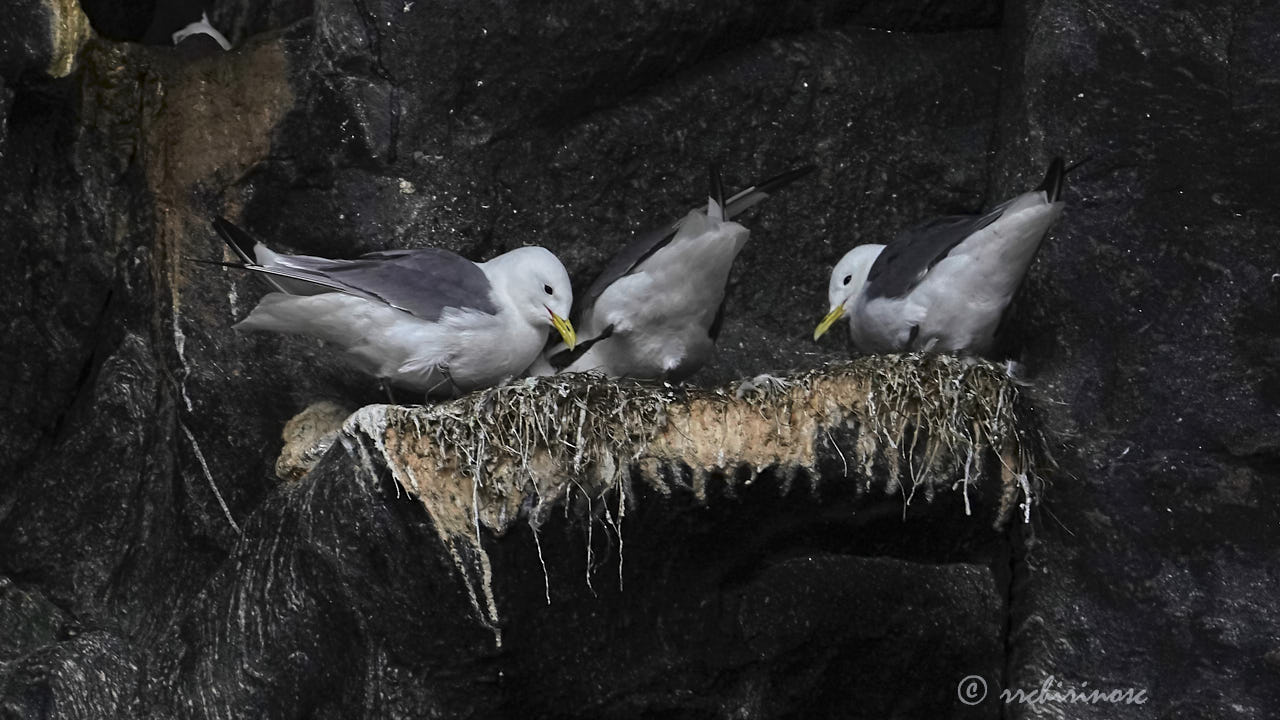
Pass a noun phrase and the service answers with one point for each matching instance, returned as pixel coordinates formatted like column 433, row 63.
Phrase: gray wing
column 909, row 257
column 638, row 250
column 622, row 264
column 421, row 282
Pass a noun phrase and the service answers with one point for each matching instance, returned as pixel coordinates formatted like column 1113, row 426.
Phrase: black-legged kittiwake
column 201, row 28
column 186, row 23
column 655, row 311
column 425, row 319
column 943, row 285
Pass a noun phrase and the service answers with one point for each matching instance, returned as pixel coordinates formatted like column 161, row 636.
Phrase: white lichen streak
column 208, row 476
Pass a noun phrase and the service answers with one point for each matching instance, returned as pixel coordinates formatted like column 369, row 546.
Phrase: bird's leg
column 911, row 339
column 446, row 377
column 386, row 388
column 457, row 391
column 433, row 388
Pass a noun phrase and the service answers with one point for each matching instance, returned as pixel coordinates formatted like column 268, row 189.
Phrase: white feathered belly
column 661, row 314
column 476, row 348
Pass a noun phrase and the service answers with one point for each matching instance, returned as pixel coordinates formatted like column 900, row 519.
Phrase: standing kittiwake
column 426, row 319
column 655, row 311
column 943, row 285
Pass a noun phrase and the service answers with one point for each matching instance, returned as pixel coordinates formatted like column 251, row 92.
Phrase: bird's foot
column 763, row 385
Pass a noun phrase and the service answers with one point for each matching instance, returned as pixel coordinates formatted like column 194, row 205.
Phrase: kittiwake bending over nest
column 655, row 311
column 943, row 285
column 425, row 319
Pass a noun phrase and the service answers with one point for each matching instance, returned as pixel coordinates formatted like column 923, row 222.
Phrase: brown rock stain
column 212, row 121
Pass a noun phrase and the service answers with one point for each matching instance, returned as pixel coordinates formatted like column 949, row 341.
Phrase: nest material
column 481, row 459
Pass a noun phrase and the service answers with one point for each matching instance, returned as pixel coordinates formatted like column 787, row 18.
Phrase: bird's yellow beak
column 564, row 328
column 836, row 313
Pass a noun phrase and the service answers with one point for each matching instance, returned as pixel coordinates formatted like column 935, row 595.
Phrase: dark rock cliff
column 152, row 565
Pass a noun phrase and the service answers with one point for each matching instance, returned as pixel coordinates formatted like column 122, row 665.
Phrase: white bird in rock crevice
column 425, row 319
column 198, row 28
column 943, row 285
column 654, row 312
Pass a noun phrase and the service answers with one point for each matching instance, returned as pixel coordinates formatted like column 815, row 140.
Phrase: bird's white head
column 847, row 279
column 538, row 285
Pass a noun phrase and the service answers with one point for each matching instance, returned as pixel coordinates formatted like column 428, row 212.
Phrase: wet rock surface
column 152, row 565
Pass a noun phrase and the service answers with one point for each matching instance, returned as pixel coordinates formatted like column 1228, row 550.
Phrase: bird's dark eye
column 848, row 279
column 548, row 289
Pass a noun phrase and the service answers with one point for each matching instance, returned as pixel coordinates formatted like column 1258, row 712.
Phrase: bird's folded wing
column 908, row 258
column 642, row 247
column 421, row 282
column 622, row 264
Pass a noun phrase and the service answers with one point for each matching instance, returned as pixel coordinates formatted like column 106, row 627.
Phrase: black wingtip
column 240, row 242
column 778, row 182
column 748, row 198
column 1054, row 180
column 717, row 185
column 1075, row 165
column 566, row 357
column 220, row 263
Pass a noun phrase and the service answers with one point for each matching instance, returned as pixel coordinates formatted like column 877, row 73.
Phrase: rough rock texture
column 1156, row 311
column 27, row 39
column 151, row 564
column 332, row 606
column 42, row 36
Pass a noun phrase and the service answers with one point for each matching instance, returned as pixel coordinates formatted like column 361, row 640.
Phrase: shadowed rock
column 153, row 565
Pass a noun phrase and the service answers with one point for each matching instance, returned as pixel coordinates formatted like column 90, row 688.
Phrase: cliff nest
column 909, row 423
